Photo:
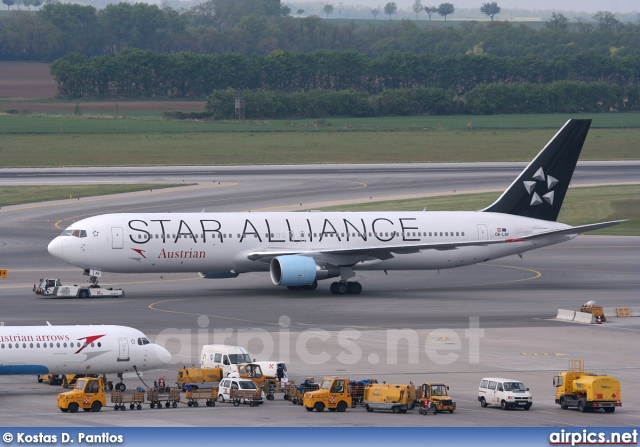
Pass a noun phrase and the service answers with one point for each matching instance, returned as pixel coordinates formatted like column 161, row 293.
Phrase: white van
column 224, row 389
column 226, row 357
column 506, row 393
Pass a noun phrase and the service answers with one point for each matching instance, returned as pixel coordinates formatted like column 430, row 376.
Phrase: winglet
column 540, row 189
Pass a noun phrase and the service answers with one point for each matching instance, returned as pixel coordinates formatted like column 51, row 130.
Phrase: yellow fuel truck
column 396, row 398
column 586, row 391
column 198, row 377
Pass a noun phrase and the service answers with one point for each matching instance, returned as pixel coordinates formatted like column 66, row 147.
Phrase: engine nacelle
column 296, row 270
column 218, row 275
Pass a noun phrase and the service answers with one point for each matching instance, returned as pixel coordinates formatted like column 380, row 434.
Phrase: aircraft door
column 117, row 238
column 483, row 233
column 123, row 354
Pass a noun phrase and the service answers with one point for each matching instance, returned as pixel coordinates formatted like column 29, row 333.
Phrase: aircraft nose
column 162, row 355
column 55, row 247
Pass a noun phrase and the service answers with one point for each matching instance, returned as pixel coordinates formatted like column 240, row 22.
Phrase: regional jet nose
column 55, row 247
column 162, row 355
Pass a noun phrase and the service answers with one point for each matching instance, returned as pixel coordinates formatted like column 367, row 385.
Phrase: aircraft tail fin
column 539, row 190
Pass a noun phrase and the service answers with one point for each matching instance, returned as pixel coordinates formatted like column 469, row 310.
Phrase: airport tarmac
column 454, row 326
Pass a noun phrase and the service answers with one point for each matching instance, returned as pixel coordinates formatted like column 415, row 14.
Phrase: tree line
column 135, row 73
column 484, row 99
column 261, row 26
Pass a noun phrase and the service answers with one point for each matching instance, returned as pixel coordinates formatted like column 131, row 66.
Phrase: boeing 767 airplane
column 81, row 349
column 299, row 249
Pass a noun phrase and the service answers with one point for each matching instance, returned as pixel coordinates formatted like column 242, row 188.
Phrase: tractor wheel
column 73, row 407
column 319, row 407
column 342, row 405
column 308, row 409
column 395, row 409
column 96, row 406
column 369, row 409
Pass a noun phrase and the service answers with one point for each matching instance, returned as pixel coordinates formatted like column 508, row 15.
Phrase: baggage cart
column 135, row 400
column 170, row 397
column 253, row 397
column 208, row 395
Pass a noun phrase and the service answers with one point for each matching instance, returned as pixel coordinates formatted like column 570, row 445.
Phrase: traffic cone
column 598, row 319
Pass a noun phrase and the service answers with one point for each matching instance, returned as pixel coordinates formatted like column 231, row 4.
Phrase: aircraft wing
column 387, row 251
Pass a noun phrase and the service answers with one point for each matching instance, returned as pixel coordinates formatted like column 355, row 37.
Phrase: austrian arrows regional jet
column 299, row 249
column 82, row 349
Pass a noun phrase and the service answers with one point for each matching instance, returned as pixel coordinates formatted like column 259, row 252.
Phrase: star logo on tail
column 530, row 186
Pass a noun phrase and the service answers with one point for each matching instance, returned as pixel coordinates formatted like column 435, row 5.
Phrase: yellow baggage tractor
column 170, row 397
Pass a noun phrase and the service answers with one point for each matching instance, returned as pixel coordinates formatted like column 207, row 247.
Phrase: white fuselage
column 222, row 242
column 82, row 349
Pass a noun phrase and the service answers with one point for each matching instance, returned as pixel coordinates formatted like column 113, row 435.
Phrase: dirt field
column 22, row 84
column 26, row 80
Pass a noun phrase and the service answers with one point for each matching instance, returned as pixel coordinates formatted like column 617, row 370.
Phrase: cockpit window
column 143, row 341
column 74, row 233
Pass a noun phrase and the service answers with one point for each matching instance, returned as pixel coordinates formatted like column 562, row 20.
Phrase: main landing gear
column 344, row 288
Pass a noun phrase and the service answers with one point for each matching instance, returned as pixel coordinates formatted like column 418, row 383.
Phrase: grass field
column 30, row 141
column 15, row 195
column 581, row 206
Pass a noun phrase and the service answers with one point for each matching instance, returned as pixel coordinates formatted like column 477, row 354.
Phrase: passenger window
column 217, row 358
column 492, row 386
column 500, row 387
column 483, row 384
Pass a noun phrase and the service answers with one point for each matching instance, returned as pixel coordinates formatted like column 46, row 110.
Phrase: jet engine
column 218, row 275
column 296, row 270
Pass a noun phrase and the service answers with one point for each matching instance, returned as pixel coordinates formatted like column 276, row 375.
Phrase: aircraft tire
column 354, row 288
